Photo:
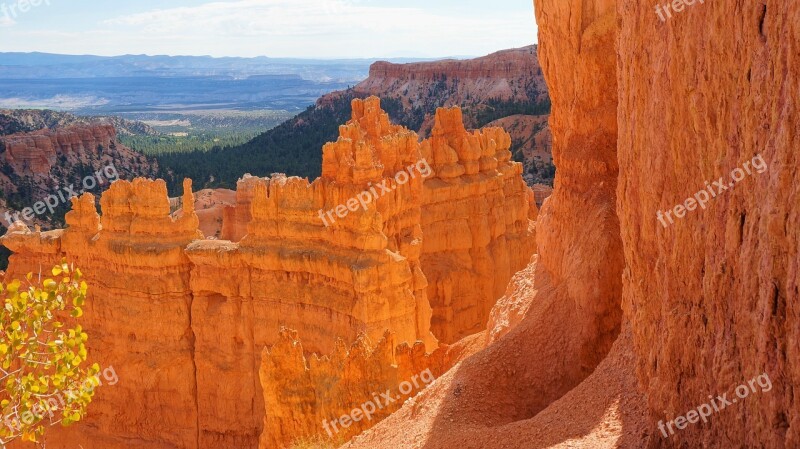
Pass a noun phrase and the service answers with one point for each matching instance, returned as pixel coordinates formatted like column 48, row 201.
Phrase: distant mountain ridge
column 49, row 66
column 505, row 84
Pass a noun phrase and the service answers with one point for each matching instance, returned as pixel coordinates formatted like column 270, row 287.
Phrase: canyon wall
column 704, row 256
column 306, row 396
column 201, row 311
column 59, row 163
column 138, row 312
column 38, row 153
column 713, row 296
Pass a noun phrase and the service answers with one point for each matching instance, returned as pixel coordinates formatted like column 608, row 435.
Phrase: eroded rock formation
column 38, row 152
column 195, row 314
column 44, row 163
column 560, row 321
column 505, row 75
column 476, row 217
column 322, row 390
column 139, row 312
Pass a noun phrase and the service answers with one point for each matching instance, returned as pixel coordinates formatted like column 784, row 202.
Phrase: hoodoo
column 186, row 319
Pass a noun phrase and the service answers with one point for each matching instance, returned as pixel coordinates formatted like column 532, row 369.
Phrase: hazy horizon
column 298, row 29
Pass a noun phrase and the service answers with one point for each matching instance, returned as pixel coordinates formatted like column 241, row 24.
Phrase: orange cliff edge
column 184, row 320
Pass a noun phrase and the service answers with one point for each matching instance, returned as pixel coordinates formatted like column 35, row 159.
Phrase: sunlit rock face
column 184, row 319
column 476, row 221
column 648, row 113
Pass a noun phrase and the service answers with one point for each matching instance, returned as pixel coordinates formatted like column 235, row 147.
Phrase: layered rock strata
column 52, row 165
column 374, row 379
column 562, row 317
column 710, row 296
column 476, row 212
column 138, row 311
column 195, row 314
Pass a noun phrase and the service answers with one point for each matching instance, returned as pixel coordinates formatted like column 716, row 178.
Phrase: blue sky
column 279, row 28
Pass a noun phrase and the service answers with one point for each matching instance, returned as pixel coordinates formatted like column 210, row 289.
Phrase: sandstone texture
column 324, row 389
column 713, row 299
column 138, row 312
column 561, row 316
column 476, row 222
column 196, row 313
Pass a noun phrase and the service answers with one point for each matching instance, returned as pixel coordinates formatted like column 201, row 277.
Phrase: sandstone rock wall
column 306, row 396
column 562, row 315
column 37, row 151
column 476, row 222
column 492, row 76
column 46, row 162
column 713, row 297
column 138, row 312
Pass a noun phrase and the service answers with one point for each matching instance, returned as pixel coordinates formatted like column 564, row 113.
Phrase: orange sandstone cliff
column 713, row 299
column 196, row 314
column 38, row 164
column 695, row 308
column 562, row 315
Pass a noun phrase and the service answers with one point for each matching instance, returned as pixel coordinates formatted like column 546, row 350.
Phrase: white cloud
column 285, row 28
column 334, row 28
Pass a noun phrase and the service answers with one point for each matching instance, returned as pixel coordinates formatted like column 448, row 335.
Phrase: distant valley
column 502, row 89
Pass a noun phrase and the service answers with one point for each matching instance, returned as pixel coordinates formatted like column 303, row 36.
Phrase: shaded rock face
column 713, row 297
column 197, row 313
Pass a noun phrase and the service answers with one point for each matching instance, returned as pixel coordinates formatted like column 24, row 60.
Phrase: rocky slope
column 14, row 121
column 51, row 165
